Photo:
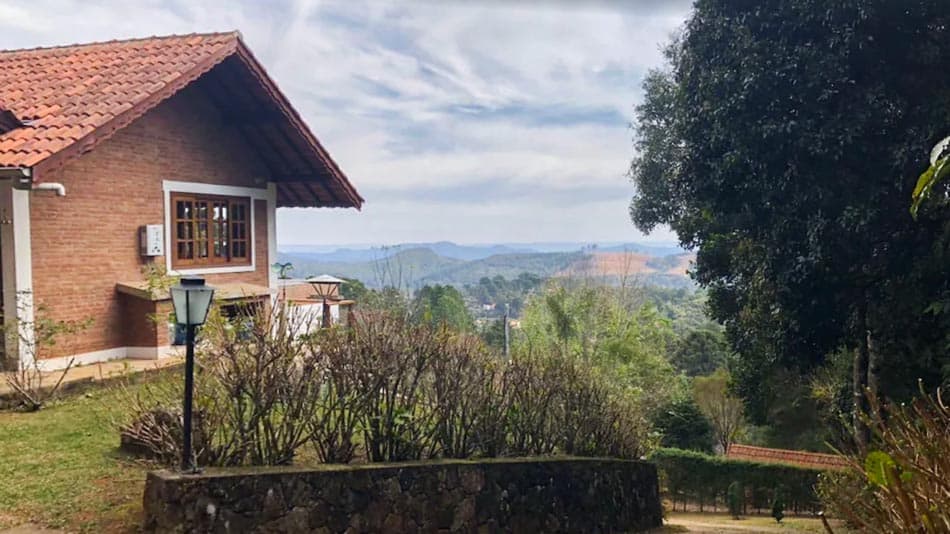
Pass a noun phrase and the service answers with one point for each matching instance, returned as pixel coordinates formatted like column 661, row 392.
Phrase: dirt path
column 692, row 525
column 716, row 523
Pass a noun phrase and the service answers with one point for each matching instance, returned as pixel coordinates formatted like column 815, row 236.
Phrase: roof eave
column 352, row 197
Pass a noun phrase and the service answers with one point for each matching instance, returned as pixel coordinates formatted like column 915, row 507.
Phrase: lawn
column 61, row 467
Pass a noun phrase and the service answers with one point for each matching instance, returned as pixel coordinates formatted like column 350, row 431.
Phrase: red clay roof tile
column 58, row 99
column 78, row 86
column 814, row 460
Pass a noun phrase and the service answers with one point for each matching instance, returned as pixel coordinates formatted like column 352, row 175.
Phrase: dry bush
column 152, row 426
column 469, row 399
column 267, row 386
column 903, row 483
column 396, row 390
column 598, row 419
column 31, row 384
column 255, row 389
column 337, row 416
column 392, row 360
column 630, row 429
column 33, row 387
column 584, row 421
column 534, row 384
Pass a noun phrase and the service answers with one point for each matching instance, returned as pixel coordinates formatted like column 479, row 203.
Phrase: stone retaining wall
column 503, row 495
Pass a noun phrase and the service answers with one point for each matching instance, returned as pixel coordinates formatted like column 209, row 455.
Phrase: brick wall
column 87, row 241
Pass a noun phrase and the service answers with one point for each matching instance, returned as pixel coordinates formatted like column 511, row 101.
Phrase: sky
column 474, row 122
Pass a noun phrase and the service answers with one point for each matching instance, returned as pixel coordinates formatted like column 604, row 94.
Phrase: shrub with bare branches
column 469, row 400
column 382, row 386
column 152, row 426
column 267, row 383
column 902, row 482
column 256, row 388
column 342, row 400
column 33, row 385
column 535, row 384
column 393, row 362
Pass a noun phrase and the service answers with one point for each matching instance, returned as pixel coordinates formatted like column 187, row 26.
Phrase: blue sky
column 474, row 122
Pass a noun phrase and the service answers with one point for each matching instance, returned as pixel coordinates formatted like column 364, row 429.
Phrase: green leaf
column 876, row 466
column 925, row 183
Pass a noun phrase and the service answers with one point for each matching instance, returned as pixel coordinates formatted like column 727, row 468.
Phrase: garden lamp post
column 325, row 286
column 192, row 300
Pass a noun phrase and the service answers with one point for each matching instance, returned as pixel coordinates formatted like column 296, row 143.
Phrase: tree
column 442, row 305
column 682, row 425
column 493, row 333
column 612, row 329
column 783, row 144
column 723, row 410
column 354, row 289
column 700, row 352
column 498, row 292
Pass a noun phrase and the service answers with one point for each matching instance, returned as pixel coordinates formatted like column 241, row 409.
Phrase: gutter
column 51, row 186
column 23, row 179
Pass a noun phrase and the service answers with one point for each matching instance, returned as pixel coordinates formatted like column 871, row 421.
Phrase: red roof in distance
column 812, row 460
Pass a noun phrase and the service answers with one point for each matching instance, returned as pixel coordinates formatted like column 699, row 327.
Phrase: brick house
column 185, row 134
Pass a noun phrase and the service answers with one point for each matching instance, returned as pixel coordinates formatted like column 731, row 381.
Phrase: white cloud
column 435, row 110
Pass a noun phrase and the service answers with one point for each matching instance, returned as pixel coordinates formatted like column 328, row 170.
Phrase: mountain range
column 448, row 249
column 412, row 265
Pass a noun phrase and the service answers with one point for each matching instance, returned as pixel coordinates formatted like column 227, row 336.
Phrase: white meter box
column 152, row 240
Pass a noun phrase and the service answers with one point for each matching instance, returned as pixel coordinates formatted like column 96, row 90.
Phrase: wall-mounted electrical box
column 152, row 240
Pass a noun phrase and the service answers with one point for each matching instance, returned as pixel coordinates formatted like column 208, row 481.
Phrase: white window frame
column 253, row 193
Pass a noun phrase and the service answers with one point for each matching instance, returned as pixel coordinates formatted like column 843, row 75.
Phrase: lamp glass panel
column 192, row 309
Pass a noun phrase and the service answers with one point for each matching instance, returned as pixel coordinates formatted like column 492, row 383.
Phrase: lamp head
column 192, row 300
column 325, row 286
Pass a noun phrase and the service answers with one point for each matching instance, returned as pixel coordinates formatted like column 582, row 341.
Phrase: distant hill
column 445, row 249
column 459, row 265
column 420, row 266
column 448, row 249
column 507, row 265
column 640, row 248
column 401, row 267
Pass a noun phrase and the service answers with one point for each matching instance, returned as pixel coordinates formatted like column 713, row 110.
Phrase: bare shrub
column 491, row 426
column 627, row 430
column 594, row 416
column 392, row 360
column 266, row 387
column 902, row 483
column 342, row 400
column 152, row 426
column 469, row 400
column 33, row 386
column 585, row 422
column 397, row 390
column 534, row 384
column 255, row 391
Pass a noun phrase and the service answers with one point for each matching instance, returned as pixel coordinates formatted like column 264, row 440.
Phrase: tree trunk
column 859, row 383
column 874, row 372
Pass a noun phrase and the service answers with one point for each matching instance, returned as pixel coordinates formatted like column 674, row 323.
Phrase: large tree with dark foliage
column 782, row 144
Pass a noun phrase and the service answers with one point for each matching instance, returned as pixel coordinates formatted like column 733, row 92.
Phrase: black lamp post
column 325, row 286
column 192, row 300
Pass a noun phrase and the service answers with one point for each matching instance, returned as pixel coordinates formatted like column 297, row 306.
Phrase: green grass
column 61, row 467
